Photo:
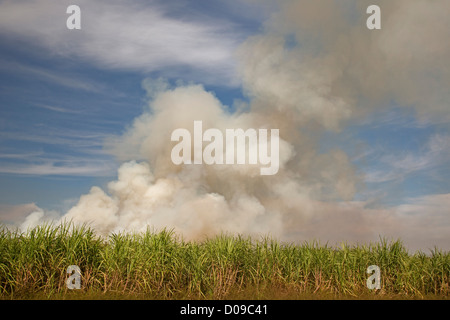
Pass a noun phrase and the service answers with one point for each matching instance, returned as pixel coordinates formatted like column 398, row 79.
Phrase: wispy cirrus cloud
column 397, row 166
column 133, row 36
column 59, row 137
column 90, row 168
column 69, row 81
column 59, row 152
column 20, row 155
column 57, row 109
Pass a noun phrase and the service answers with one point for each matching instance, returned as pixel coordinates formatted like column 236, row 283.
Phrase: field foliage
column 159, row 265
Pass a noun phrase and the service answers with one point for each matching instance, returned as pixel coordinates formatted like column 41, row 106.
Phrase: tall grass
column 160, row 265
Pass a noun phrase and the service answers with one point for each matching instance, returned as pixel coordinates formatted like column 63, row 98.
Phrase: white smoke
column 195, row 200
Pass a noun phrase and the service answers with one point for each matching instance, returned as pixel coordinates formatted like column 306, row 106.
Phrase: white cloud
column 59, row 137
column 397, row 166
column 20, row 155
column 56, row 151
column 51, row 76
column 58, row 109
column 90, row 168
column 127, row 35
column 82, row 154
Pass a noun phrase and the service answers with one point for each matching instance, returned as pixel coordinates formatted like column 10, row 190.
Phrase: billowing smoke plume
column 315, row 69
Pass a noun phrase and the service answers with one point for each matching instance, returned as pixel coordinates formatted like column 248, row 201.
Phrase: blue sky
column 63, row 93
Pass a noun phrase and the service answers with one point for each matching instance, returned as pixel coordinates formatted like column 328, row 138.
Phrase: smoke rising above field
column 314, row 69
